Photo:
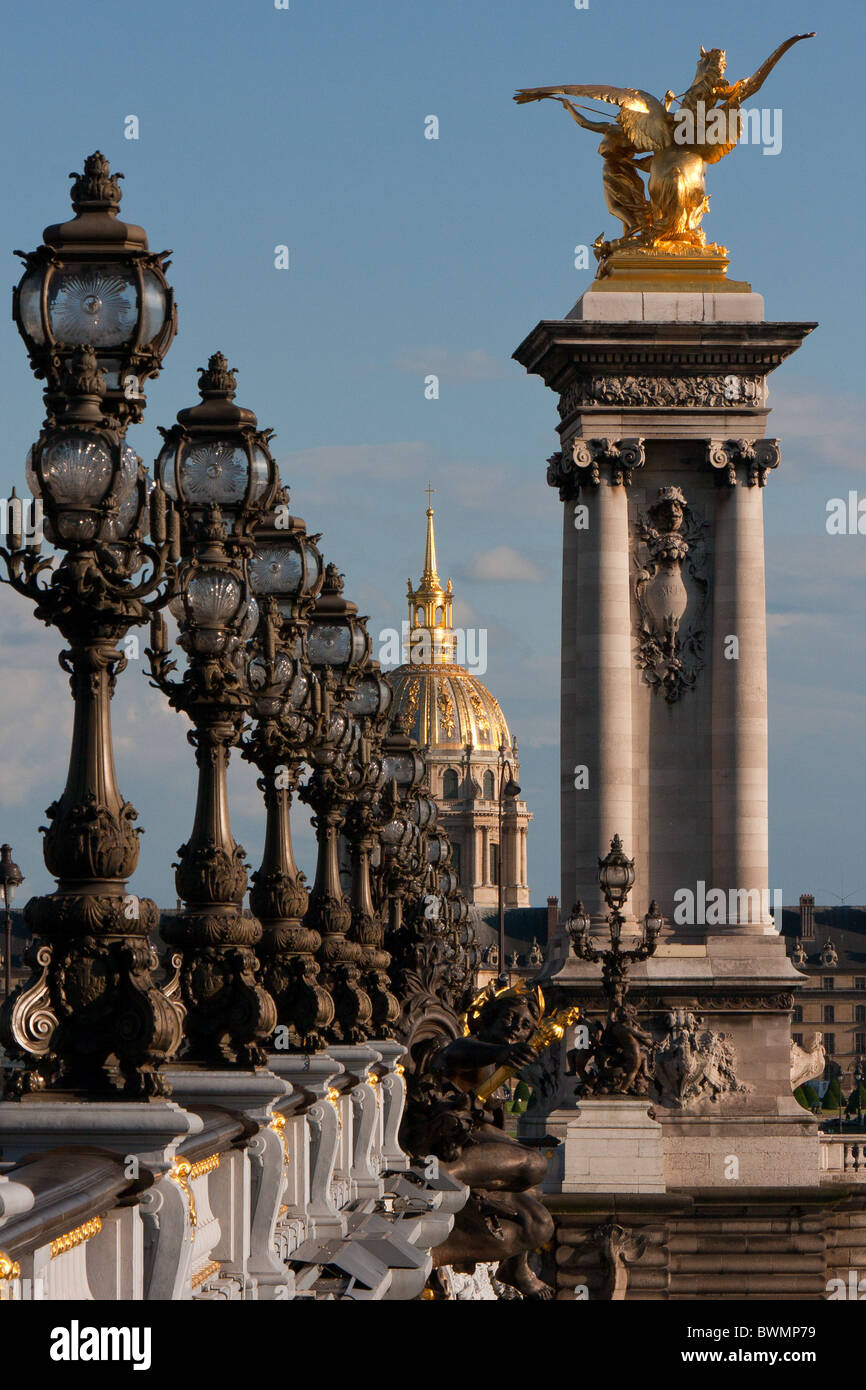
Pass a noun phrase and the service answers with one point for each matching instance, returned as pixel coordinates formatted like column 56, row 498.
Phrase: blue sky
column 305, row 127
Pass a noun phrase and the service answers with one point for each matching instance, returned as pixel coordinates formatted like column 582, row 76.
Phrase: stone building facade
column 828, row 945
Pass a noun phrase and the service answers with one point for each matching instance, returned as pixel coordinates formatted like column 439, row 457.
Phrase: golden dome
column 444, row 705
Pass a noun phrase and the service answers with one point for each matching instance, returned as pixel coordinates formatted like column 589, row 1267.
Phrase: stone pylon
column 664, row 452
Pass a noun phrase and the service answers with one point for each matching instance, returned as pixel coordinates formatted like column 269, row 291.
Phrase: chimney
column 552, row 917
column 807, row 916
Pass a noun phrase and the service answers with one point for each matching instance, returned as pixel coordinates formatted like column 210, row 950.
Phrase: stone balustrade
column 280, row 1184
column 843, row 1159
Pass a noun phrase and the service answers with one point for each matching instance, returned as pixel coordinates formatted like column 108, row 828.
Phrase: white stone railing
column 283, row 1184
column 843, row 1159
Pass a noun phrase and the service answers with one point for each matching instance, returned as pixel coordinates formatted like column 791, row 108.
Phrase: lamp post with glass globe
column 215, row 465
column 369, row 705
column 11, row 878
column 616, row 878
column 286, row 574
column 508, row 788
column 97, row 317
column 338, row 650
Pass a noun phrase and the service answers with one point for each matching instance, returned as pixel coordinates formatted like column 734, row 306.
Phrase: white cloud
column 817, row 429
column 503, row 563
column 469, row 366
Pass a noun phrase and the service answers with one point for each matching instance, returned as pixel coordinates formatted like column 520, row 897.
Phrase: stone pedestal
column 611, row 1144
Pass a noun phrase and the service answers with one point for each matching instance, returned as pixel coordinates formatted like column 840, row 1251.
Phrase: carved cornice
column 617, row 457
column 756, row 455
column 728, row 390
column 574, row 352
column 592, row 1000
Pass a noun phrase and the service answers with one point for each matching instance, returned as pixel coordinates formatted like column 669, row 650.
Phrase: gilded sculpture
column 671, row 146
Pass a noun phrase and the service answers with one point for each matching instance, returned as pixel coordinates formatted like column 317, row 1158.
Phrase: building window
column 829, row 1013
column 494, row 863
column 488, row 786
column 798, row 1013
column 798, row 1039
column 829, row 1043
column 828, row 982
column 455, row 858
column 860, row 981
column 860, row 1042
column 449, row 785
column 860, row 1013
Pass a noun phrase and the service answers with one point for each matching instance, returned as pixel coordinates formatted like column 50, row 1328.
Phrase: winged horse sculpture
column 672, row 146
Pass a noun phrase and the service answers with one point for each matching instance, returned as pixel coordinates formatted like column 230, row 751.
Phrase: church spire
column 430, row 605
column 430, row 576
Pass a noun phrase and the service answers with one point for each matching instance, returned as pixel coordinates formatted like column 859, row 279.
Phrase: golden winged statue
column 673, row 146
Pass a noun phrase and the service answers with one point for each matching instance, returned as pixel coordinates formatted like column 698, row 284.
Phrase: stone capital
column 755, row 456
column 584, row 463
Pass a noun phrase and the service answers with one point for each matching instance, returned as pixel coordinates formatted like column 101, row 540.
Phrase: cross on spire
column 429, row 490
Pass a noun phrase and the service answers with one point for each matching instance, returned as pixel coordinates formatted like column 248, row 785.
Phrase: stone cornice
column 562, row 351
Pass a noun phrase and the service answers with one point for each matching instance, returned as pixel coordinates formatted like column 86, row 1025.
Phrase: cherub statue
column 503, row 1220
column 617, row 1052
column 678, row 146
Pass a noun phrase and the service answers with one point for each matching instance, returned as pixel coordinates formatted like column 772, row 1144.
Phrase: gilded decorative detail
column 445, row 706
column 78, row 1236
column 180, row 1173
column 278, row 1125
column 9, row 1268
column 334, row 1098
column 480, row 716
column 671, row 147
column 209, row 1271
column 204, row 1166
column 410, row 703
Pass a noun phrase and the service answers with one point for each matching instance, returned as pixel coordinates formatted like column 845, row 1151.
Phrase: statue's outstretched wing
column 642, row 117
column 749, row 85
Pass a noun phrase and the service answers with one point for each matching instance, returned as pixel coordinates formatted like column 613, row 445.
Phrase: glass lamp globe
column 216, row 455
column 337, row 637
column 73, row 473
column 94, row 283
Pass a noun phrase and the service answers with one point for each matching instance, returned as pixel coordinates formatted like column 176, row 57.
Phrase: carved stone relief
column 692, row 1063
column 731, row 389
column 670, row 585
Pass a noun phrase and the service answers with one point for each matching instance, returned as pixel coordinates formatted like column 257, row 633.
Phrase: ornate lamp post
column 616, row 878
column 510, row 789
column 92, row 305
column 618, row 1050
column 369, row 705
column 338, row 648
column 404, row 817
column 286, row 575
column 217, row 467
column 10, row 879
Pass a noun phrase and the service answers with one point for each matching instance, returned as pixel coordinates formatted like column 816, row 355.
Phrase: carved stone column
column 739, row 742
column 596, row 766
